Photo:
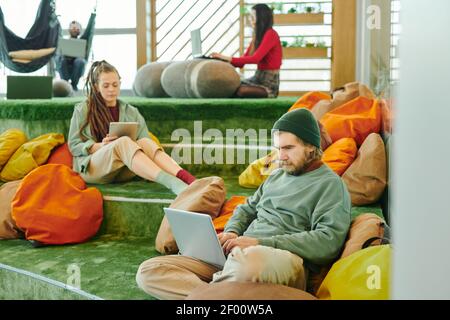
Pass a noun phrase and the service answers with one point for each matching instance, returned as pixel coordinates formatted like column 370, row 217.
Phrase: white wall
column 421, row 171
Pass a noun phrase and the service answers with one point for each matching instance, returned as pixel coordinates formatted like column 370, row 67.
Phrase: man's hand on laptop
column 225, row 236
column 232, row 240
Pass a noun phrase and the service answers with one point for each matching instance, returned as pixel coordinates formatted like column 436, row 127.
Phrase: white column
column 421, row 163
column 363, row 43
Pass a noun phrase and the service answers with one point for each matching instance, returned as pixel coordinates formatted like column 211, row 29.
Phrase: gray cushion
column 62, row 88
column 200, row 79
column 147, row 82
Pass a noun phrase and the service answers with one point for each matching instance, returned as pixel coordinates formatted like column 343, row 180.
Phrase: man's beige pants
column 112, row 162
column 174, row 277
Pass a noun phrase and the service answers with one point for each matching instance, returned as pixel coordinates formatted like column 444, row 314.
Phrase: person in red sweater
column 265, row 51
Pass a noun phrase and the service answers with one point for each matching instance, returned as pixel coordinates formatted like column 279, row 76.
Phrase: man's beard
column 295, row 170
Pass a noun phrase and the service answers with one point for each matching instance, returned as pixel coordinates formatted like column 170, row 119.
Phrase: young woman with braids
column 100, row 158
column 265, row 51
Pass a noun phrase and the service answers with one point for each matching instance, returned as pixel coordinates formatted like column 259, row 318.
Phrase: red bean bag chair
column 53, row 206
column 61, row 155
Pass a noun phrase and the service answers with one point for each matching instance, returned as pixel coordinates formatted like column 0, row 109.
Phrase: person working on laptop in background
column 100, row 158
column 296, row 222
column 265, row 51
column 71, row 68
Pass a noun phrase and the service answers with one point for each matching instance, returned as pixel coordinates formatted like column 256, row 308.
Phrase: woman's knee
column 149, row 146
column 124, row 149
column 123, row 141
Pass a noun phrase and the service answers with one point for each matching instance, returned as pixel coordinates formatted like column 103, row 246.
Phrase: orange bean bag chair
column 53, row 206
column 309, row 100
column 227, row 211
column 356, row 119
column 340, row 155
column 61, row 155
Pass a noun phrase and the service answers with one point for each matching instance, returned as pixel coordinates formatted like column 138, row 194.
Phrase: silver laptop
column 195, row 236
column 75, row 48
column 196, row 42
column 120, row 129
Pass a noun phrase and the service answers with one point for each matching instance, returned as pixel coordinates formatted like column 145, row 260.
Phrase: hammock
column 43, row 34
column 88, row 33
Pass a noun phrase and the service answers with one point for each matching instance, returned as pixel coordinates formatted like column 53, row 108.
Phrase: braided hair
column 98, row 116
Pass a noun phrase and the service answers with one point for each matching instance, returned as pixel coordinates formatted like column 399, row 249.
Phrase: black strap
column 369, row 242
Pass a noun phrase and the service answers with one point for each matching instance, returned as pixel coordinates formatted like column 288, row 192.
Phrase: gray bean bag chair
column 147, row 82
column 200, row 78
column 62, row 88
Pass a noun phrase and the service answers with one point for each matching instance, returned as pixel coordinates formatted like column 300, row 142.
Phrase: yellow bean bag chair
column 363, row 275
column 10, row 141
column 155, row 139
column 258, row 171
column 30, row 155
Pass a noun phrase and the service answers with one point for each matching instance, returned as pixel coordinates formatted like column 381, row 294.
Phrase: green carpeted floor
column 108, row 263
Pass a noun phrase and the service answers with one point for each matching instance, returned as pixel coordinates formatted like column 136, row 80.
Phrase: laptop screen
column 75, row 48
column 29, row 87
column 196, row 42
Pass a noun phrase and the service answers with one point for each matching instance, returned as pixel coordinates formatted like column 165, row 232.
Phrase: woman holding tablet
column 265, row 51
column 100, row 158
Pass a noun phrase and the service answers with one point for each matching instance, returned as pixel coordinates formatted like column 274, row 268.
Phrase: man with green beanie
column 296, row 222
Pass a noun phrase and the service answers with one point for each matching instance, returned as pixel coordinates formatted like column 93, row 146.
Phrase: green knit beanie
column 302, row 123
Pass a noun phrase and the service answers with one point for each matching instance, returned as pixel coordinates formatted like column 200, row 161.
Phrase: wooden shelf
column 290, row 19
column 304, row 53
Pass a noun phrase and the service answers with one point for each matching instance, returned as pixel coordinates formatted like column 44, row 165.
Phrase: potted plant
column 277, row 7
column 296, row 15
column 299, row 48
column 309, row 9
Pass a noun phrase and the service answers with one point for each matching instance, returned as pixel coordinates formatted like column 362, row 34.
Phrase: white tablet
column 120, row 129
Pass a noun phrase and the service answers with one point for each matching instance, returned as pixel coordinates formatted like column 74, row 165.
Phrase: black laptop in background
column 29, row 87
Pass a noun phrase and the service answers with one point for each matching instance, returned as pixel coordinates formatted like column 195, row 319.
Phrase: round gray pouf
column 200, row 78
column 147, row 82
column 62, row 88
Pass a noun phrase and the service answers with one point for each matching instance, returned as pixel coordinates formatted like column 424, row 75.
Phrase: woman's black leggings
column 248, row 91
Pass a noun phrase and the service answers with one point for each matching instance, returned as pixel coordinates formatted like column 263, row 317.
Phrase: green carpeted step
column 217, row 159
column 142, row 189
column 136, row 208
column 163, row 116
